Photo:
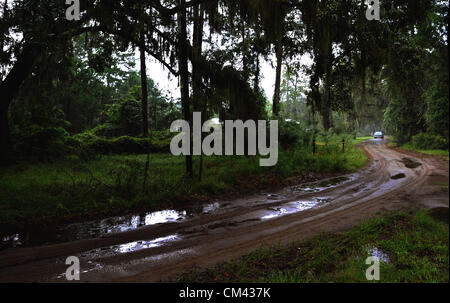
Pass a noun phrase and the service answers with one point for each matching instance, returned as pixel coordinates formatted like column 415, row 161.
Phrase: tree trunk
column 325, row 105
column 5, row 142
column 257, row 73
column 245, row 54
column 184, row 75
column 8, row 90
column 144, row 87
column 2, row 41
column 328, row 64
column 276, row 95
column 196, row 54
column 197, row 44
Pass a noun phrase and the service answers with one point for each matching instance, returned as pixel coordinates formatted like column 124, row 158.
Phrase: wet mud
column 158, row 245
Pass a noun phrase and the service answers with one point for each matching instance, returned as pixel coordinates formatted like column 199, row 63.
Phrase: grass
column 73, row 190
column 361, row 139
column 416, row 246
column 443, row 185
column 435, row 152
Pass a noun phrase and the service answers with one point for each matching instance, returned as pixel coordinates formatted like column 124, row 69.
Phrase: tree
column 184, row 74
column 144, row 88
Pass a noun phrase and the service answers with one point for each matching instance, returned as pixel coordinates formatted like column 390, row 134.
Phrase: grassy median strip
column 413, row 247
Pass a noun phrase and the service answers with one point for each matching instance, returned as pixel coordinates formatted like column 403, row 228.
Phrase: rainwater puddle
column 211, row 208
column 398, row 176
column 129, row 247
column 93, row 267
column 88, row 230
column 207, row 208
column 320, row 185
column 294, row 207
column 121, row 249
column 275, row 197
column 410, row 163
column 138, row 245
column 35, row 236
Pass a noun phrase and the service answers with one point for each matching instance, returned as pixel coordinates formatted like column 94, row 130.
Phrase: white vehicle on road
column 378, row 135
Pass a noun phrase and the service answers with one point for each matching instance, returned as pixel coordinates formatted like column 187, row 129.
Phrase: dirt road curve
column 160, row 251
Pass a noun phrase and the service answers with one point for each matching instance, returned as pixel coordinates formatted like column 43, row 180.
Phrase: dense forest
column 357, row 93
column 60, row 78
column 79, row 90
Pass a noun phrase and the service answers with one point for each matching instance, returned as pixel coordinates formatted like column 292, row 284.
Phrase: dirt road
column 223, row 230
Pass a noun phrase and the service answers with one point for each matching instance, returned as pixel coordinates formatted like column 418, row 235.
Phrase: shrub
column 41, row 143
column 128, row 145
column 292, row 135
column 429, row 141
column 107, row 130
column 87, row 144
column 77, row 146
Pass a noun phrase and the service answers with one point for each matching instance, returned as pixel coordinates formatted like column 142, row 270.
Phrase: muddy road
column 158, row 246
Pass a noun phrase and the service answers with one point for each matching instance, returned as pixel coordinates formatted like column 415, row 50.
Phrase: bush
column 428, row 141
column 292, row 135
column 107, row 130
column 129, row 145
column 41, row 143
column 87, row 144
column 76, row 146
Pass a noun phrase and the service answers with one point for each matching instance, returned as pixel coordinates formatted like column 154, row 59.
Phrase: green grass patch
column 416, row 246
column 435, row 152
column 72, row 189
column 360, row 139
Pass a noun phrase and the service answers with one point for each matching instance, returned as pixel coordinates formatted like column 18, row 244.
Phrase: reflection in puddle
column 304, row 205
column 36, row 236
column 293, row 207
column 322, row 200
column 121, row 224
column 129, row 247
column 276, row 213
column 275, row 197
column 174, row 254
column 12, row 240
column 321, row 185
column 211, row 207
column 138, row 245
column 164, row 217
column 94, row 229
column 97, row 266
column 14, row 237
column 89, row 230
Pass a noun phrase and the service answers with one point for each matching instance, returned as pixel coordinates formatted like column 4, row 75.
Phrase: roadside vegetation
column 84, row 130
column 412, row 247
column 360, row 139
column 91, row 184
column 435, row 152
column 426, row 144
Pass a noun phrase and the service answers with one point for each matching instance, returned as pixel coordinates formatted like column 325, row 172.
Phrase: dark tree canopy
column 74, row 69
